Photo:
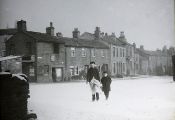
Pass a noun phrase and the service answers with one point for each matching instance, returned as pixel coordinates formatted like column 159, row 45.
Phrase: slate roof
column 9, row 31
column 72, row 42
column 112, row 40
column 109, row 39
column 43, row 37
column 155, row 53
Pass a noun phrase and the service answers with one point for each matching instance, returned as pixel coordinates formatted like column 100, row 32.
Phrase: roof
column 8, row 58
column 72, row 42
column 112, row 40
column 43, row 37
column 155, row 53
column 9, row 31
column 107, row 38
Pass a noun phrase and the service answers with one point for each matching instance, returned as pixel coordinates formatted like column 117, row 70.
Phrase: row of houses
column 47, row 57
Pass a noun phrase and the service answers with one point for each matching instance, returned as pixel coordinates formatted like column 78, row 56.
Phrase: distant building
column 13, row 64
column 79, row 54
column 116, row 52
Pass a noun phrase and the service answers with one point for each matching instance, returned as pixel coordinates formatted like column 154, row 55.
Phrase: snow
column 149, row 98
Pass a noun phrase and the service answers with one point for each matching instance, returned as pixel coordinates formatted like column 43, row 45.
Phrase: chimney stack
column 50, row 30
column 97, row 33
column 141, row 47
column 76, row 33
column 21, row 25
column 59, row 34
column 122, row 36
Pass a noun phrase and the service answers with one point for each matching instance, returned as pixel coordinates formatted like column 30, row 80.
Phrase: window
column 123, row 52
column 113, row 51
column 76, row 70
column 120, row 52
column 71, row 71
column 83, row 52
column 117, row 52
column 56, row 48
column 46, row 70
column 123, row 67
column 114, row 67
column 117, row 68
column 72, row 52
column 102, row 53
column 93, row 52
column 131, row 51
column 12, row 49
column 29, row 48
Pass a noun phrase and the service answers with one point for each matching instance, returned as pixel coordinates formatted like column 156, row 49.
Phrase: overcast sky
column 145, row 22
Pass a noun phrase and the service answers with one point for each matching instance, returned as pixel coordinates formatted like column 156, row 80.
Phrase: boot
column 93, row 97
column 97, row 96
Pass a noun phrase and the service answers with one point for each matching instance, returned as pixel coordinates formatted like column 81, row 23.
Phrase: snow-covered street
column 150, row 98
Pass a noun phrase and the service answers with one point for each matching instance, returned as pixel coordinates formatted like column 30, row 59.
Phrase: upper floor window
column 29, row 48
column 93, row 52
column 113, row 51
column 12, row 49
column 83, row 53
column 72, row 52
column 123, row 52
column 117, row 52
column 102, row 53
column 120, row 52
column 56, row 48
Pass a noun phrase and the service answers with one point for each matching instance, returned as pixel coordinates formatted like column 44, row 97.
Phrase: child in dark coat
column 106, row 82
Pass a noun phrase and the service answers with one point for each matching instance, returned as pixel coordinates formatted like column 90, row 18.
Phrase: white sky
column 145, row 22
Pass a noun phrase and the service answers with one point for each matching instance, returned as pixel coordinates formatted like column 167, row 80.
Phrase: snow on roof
column 8, row 58
column 20, row 76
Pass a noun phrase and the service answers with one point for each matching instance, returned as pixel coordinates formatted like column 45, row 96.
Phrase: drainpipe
column 36, row 60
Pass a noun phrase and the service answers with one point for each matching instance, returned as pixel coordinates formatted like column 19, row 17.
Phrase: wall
column 47, row 60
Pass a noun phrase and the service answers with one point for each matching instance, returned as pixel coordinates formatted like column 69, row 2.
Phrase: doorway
column 57, row 74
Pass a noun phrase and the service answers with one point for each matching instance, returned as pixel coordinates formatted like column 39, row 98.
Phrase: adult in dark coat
column 93, row 75
column 106, row 82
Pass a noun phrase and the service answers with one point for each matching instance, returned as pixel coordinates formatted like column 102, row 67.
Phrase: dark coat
column 106, row 82
column 93, row 72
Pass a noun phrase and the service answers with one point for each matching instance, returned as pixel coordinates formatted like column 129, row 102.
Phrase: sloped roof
column 43, row 37
column 107, row 38
column 88, row 36
column 155, row 53
column 112, row 40
column 72, row 42
column 9, row 31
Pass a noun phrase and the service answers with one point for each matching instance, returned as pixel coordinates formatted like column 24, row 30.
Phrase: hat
column 92, row 62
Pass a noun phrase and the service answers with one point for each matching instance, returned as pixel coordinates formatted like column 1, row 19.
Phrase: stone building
column 5, row 34
column 80, row 52
column 116, row 51
column 43, row 55
column 130, row 55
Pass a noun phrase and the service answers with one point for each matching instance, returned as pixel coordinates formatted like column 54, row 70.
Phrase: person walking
column 93, row 78
column 106, row 82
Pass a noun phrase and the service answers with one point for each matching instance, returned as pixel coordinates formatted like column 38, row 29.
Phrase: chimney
column 97, row 33
column 113, row 35
column 76, row 33
column 21, row 25
column 59, row 34
column 50, row 30
column 122, row 36
column 141, row 47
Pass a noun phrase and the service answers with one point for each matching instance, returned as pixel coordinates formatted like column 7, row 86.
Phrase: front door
column 57, row 74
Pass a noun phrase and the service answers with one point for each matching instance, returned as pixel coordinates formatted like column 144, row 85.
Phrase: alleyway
column 150, row 98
